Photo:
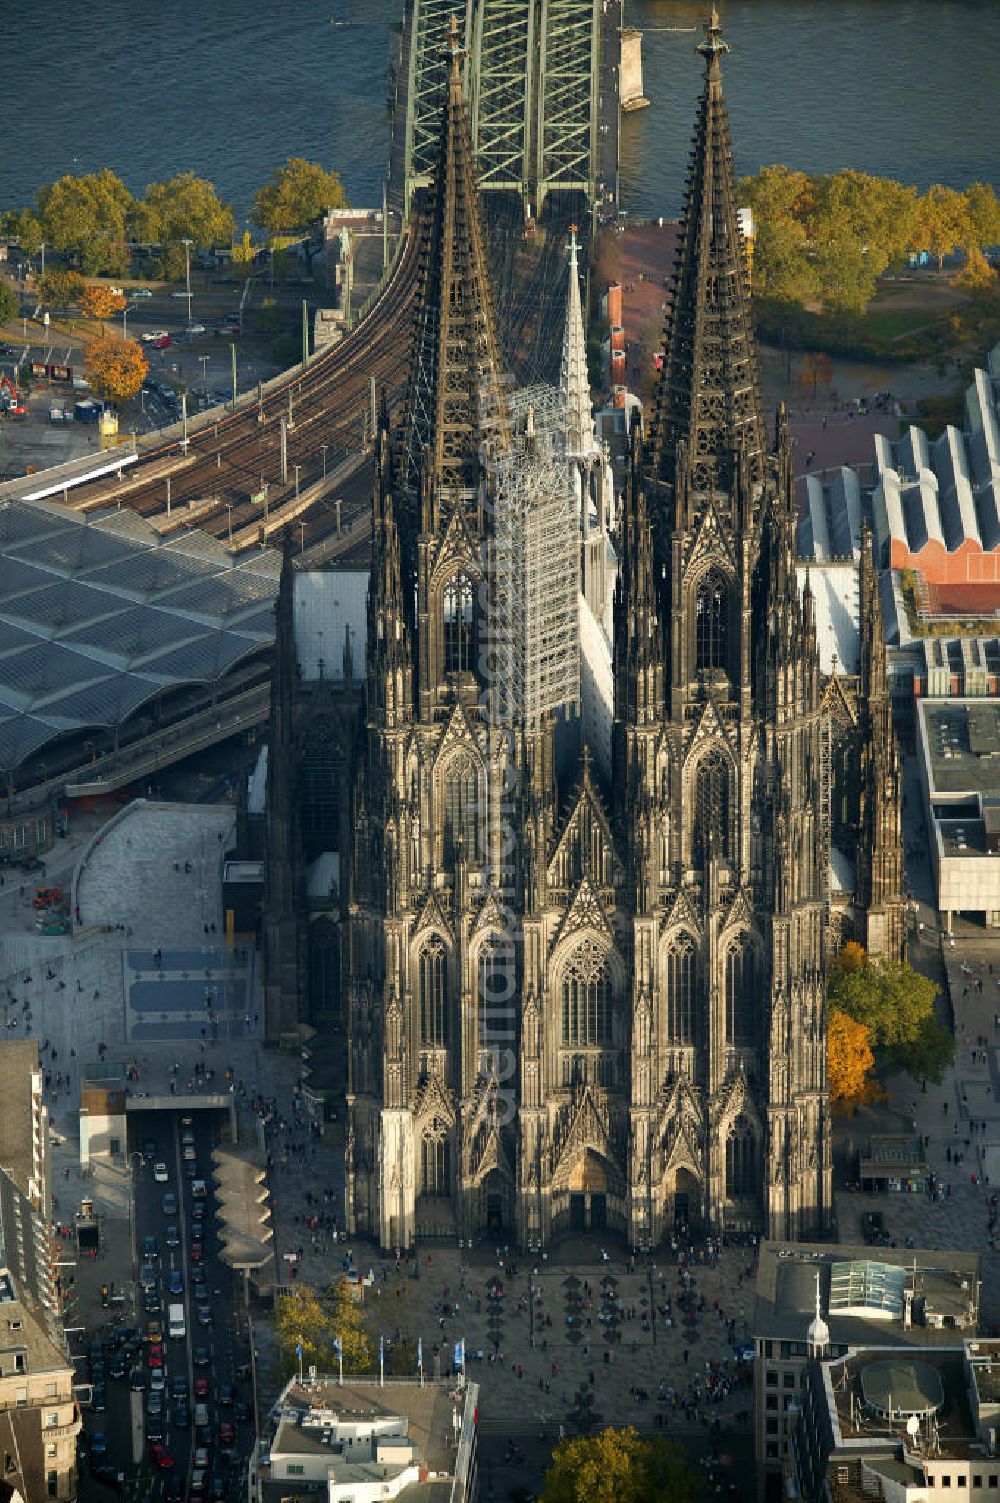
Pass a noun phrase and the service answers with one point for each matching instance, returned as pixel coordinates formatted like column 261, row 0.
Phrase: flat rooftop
column 963, row 837
column 427, row 1411
column 941, row 1375
column 862, row 1293
column 963, row 746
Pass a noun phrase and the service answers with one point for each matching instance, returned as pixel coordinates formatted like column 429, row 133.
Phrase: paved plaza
column 539, row 1331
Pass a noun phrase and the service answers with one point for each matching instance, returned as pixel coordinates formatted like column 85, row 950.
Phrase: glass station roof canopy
column 100, row 614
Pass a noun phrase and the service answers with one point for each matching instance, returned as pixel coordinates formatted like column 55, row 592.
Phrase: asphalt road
column 208, row 1350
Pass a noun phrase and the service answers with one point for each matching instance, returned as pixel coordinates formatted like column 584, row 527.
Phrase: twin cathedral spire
column 573, row 1004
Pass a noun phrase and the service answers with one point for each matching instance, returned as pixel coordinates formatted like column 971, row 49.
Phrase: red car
column 154, row 1355
column 160, row 1454
column 196, row 1252
column 201, row 1388
column 163, row 343
column 227, row 1434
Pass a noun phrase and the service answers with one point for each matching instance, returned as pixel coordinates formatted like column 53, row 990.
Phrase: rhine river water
column 233, row 88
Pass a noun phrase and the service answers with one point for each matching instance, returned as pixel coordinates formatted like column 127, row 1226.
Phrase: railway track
column 217, row 483
column 324, row 408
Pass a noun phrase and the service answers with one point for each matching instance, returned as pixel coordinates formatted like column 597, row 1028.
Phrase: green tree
column 929, row 1054
column 780, row 199
column 295, row 195
column 86, row 217
column 24, row 227
column 183, row 207
column 315, row 1319
column 893, row 1001
column 618, row 1466
column 10, row 303
column 942, row 221
column 60, row 288
column 982, row 208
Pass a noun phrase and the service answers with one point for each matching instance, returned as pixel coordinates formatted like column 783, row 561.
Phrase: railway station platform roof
column 101, row 614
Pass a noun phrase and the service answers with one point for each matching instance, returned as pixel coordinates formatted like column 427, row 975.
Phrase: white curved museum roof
column 99, row 615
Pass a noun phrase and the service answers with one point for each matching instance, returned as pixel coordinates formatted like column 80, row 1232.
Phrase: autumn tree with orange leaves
column 101, row 302
column 116, row 368
column 849, row 1058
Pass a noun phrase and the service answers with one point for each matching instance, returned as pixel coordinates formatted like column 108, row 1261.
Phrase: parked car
column 152, row 335
column 161, row 1456
column 161, row 1174
column 172, row 1239
column 140, row 292
column 170, row 1204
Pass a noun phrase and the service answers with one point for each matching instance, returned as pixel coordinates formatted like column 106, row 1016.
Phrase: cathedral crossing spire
column 574, row 381
column 455, row 399
column 708, row 392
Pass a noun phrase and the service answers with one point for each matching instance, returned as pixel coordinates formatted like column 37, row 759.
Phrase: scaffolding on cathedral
column 534, row 621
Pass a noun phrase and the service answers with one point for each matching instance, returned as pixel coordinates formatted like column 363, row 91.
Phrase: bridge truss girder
column 531, row 75
column 569, row 68
column 502, row 91
column 427, row 75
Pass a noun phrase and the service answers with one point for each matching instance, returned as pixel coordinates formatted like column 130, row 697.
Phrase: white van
column 175, row 1321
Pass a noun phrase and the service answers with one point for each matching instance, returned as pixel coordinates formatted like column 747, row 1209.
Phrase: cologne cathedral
column 587, row 994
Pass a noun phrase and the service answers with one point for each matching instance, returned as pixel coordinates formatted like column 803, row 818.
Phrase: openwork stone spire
column 454, row 400
column 574, row 381
column 708, row 395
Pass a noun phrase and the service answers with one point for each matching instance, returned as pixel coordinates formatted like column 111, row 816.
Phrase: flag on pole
column 298, row 1350
column 420, row 1351
column 459, row 1356
column 381, row 1360
column 338, row 1350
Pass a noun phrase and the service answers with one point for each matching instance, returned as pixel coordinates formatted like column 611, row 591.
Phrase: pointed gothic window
column 459, row 622
column 711, row 810
column 741, row 981
column 435, row 1167
column 711, row 623
column 741, row 1161
column 320, row 772
column 680, row 991
column 586, row 999
column 461, row 816
column 434, row 994
column 496, row 990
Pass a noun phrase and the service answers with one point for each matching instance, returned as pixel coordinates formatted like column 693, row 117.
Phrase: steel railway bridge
column 532, row 79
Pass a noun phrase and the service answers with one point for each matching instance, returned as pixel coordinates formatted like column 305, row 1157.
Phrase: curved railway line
column 230, row 461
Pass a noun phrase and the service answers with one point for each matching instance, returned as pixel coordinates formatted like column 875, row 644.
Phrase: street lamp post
column 128, row 308
column 324, row 448
column 204, row 371
column 187, row 244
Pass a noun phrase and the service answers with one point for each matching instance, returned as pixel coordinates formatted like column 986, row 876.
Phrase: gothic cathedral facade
column 581, row 1003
